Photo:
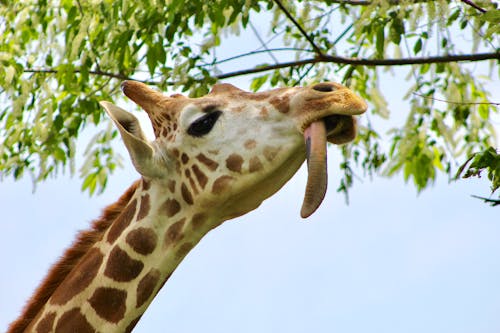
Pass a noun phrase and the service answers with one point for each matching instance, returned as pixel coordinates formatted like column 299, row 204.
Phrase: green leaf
column 397, row 29
column 380, row 40
column 258, row 82
column 492, row 16
column 417, row 47
column 484, row 111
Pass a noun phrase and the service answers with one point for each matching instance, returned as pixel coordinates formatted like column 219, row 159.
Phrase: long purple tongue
column 317, row 179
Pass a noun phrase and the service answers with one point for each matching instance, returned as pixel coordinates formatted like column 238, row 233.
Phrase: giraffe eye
column 204, row 124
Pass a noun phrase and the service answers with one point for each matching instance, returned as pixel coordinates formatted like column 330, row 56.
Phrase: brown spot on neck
column 46, row 324
column 171, row 207
column 142, row 240
column 221, row 183
column 109, row 303
column 234, row 162
column 144, row 207
column 73, row 321
column 198, row 220
column 146, row 287
column 79, row 278
column 146, row 184
column 174, row 232
column 122, row 222
column 184, row 250
column 120, row 267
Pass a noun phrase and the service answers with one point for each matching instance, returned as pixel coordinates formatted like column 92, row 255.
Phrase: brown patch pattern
column 146, row 287
column 120, row 267
column 46, row 324
column 79, row 278
column 184, row 158
column 264, row 112
column 171, row 207
column 146, row 184
column 250, row 144
column 122, row 222
column 184, row 250
column 144, row 207
column 270, row 152
column 171, row 186
column 254, row 164
column 234, row 162
column 174, row 232
column 142, row 240
column 73, row 321
column 220, row 184
column 200, row 176
column 282, row 104
column 175, row 152
column 80, row 247
column 186, row 195
column 211, row 164
column 197, row 220
column 109, row 303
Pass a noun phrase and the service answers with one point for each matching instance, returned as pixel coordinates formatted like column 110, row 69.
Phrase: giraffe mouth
column 331, row 128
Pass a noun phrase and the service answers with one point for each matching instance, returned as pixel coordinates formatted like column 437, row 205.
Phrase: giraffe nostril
column 325, row 87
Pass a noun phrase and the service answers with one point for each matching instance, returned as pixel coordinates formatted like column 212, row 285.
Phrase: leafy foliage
column 488, row 160
column 59, row 58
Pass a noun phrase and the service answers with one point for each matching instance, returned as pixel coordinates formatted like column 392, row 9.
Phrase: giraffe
column 214, row 158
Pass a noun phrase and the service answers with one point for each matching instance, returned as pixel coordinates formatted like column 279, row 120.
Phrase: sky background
column 390, row 261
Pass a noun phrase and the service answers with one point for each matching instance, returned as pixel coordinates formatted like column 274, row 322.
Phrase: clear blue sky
column 391, row 261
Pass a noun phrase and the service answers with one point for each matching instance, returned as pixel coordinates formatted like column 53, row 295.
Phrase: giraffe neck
column 116, row 280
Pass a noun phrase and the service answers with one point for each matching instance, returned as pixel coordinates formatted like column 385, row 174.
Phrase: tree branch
column 369, row 2
column 96, row 72
column 324, row 59
column 472, row 4
column 454, row 102
column 302, row 31
column 367, row 62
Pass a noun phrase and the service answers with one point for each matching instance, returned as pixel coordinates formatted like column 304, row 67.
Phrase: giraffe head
column 228, row 151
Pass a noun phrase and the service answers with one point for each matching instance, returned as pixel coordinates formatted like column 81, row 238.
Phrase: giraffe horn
column 143, row 95
column 317, row 179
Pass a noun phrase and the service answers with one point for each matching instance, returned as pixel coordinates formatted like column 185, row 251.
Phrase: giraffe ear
column 141, row 152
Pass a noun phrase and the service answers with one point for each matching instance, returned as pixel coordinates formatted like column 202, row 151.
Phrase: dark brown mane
column 73, row 254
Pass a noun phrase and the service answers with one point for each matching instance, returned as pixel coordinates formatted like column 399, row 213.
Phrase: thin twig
column 302, row 31
column 257, row 52
column 472, row 4
column 262, row 43
column 454, row 102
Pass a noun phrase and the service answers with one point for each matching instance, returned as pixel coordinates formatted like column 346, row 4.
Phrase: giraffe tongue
column 315, row 137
